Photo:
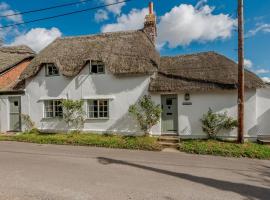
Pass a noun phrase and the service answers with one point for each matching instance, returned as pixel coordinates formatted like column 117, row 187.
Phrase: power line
column 47, row 8
column 65, row 14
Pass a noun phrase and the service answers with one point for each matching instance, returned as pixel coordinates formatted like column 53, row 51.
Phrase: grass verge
column 228, row 149
column 86, row 139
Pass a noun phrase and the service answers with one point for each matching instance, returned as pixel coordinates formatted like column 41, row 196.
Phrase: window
column 51, row 70
column 98, row 109
column 97, row 67
column 53, row 108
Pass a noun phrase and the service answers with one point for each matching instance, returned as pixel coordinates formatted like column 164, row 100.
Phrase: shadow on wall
column 245, row 190
column 53, row 124
column 125, row 125
column 117, row 84
column 56, row 85
column 263, row 127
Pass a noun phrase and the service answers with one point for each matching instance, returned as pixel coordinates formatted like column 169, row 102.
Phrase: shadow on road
column 248, row 191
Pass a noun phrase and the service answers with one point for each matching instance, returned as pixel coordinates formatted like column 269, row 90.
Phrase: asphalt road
column 32, row 171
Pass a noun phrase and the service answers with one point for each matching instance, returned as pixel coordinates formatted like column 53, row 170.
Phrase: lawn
column 228, row 149
column 86, row 139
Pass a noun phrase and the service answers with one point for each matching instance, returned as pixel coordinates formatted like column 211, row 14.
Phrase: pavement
column 52, row 172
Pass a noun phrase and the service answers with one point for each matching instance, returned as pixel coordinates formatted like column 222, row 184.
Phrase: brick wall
column 10, row 76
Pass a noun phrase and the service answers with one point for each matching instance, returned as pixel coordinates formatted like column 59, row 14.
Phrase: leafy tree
column 73, row 113
column 146, row 113
column 212, row 123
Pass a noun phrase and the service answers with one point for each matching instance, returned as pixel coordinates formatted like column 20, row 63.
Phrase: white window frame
column 47, row 65
column 54, row 111
column 98, row 109
column 98, row 63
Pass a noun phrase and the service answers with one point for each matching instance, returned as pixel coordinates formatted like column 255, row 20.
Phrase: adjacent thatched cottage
column 111, row 71
column 13, row 61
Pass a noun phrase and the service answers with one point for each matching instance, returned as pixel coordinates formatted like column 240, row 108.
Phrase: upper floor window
column 97, row 67
column 51, row 69
column 53, row 108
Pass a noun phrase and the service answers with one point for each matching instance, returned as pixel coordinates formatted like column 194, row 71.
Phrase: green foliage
column 212, row 123
column 88, row 139
column 146, row 113
column 73, row 113
column 27, row 122
column 228, row 149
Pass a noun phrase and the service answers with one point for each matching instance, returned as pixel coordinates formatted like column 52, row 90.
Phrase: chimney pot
column 150, row 26
column 151, row 8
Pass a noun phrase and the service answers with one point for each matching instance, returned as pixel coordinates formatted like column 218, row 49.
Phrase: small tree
column 27, row 122
column 73, row 113
column 212, row 123
column 146, row 113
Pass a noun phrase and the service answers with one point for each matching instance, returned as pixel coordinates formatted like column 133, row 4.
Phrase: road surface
column 51, row 172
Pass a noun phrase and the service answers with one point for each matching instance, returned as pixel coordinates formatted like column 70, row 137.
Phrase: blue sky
column 185, row 26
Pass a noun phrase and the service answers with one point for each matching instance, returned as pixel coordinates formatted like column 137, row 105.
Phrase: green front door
column 15, row 113
column 169, row 118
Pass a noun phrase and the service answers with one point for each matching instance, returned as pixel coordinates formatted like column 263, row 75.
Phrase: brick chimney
column 150, row 24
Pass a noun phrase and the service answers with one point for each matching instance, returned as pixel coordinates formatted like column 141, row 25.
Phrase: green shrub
column 27, row 122
column 146, row 113
column 73, row 113
column 212, row 123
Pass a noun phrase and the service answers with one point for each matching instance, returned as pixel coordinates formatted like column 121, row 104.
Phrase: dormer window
column 97, row 67
column 51, row 69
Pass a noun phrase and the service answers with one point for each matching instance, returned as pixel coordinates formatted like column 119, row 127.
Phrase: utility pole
column 241, row 85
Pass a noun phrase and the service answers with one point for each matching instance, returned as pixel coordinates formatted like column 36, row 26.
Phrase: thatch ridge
column 124, row 53
column 200, row 71
column 12, row 55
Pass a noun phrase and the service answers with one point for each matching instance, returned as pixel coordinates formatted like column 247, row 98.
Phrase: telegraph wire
column 47, row 8
column 64, row 14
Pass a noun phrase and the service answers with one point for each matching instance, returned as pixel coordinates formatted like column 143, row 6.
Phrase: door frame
column 20, row 112
column 177, row 128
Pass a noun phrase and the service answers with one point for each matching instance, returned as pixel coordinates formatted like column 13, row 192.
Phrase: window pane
column 58, row 109
column 51, row 70
column 48, row 109
column 97, row 67
column 98, row 108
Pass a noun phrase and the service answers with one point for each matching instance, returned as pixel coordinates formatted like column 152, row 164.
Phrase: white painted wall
column 219, row 101
column 263, row 111
column 125, row 90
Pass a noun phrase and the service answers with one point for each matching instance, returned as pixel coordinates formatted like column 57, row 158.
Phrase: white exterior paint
column 120, row 91
column 124, row 91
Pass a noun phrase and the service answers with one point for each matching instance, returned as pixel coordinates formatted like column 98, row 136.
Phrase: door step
column 169, row 141
column 264, row 140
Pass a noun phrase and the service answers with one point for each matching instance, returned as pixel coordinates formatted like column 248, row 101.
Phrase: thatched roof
column 201, row 72
column 12, row 55
column 129, row 52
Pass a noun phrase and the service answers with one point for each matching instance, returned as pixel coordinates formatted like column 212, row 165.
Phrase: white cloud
column 37, row 38
column 181, row 26
column 264, row 28
column 248, row 64
column 101, row 15
column 262, row 71
column 266, row 79
column 133, row 20
column 185, row 24
column 5, row 10
column 116, row 9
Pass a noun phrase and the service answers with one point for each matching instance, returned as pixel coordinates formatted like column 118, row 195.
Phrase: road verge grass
column 228, row 149
column 87, row 139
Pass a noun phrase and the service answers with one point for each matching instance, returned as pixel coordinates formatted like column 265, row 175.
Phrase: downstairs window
column 98, row 109
column 53, row 108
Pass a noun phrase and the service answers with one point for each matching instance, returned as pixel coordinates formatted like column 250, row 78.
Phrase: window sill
column 99, row 119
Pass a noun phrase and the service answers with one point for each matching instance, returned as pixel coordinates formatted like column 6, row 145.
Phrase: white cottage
column 112, row 71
